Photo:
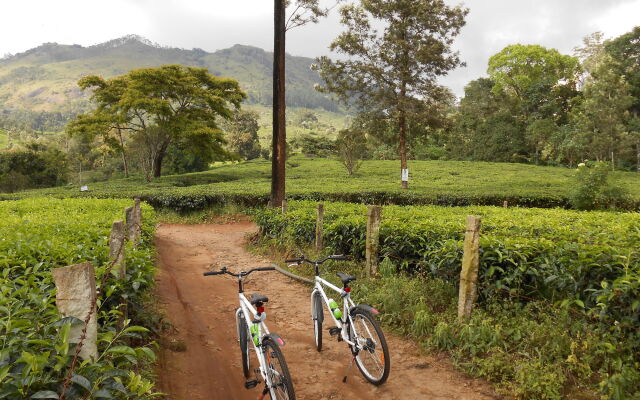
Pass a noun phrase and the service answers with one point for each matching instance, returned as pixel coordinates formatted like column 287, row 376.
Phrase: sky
column 216, row 24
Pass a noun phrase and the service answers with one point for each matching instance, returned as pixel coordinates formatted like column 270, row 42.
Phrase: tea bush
column 450, row 183
column 35, row 356
column 559, row 290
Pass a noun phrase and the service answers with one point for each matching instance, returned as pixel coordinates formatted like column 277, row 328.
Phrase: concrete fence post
column 284, row 206
column 470, row 266
column 373, row 239
column 319, row 226
column 76, row 297
column 116, row 248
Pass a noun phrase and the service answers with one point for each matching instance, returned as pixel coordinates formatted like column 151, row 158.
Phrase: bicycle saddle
column 258, row 298
column 345, row 278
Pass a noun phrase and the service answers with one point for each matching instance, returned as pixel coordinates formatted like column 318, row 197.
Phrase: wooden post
column 133, row 224
column 373, row 239
column 284, row 206
column 470, row 266
column 138, row 212
column 76, row 297
column 116, row 248
column 117, row 242
column 319, row 223
column 505, row 204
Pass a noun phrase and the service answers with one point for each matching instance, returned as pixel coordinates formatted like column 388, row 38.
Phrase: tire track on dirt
column 202, row 311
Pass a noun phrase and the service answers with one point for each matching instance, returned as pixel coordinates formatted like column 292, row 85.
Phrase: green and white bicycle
column 254, row 336
column 354, row 324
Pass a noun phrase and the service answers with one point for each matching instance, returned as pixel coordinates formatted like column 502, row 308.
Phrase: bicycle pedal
column 250, row 384
column 334, row 331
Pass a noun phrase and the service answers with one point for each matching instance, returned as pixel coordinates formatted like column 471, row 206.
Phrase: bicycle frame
column 247, row 309
column 253, row 317
column 347, row 304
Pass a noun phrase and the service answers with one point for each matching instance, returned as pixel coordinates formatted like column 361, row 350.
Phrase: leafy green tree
column 625, row 50
column 485, row 127
column 242, row 134
column 393, row 71
column 539, row 85
column 161, row 106
column 602, row 115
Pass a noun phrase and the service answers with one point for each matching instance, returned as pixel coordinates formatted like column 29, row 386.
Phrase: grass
column 436, row 182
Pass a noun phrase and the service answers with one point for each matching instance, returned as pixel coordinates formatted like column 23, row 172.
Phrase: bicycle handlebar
column 240, row 274
column 303, row 259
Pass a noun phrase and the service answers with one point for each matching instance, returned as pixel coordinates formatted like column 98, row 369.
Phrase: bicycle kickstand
column 264, row 393
column 353, row 359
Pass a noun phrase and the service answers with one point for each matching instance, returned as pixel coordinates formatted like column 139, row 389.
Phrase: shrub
column 592, row 188
column 352, row 149
column 34, row 167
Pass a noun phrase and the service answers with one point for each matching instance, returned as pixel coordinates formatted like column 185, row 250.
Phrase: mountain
column 45, row 78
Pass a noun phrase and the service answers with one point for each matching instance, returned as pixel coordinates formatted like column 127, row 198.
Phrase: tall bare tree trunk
column 125, row 164
column 279, row 107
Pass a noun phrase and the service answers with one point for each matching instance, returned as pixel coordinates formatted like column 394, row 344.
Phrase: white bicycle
column 354, row 324
column 254, row 336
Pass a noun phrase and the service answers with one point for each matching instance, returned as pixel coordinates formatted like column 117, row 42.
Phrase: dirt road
column 207, row 366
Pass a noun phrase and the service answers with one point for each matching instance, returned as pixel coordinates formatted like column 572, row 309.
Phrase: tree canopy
column 393, row 70
column 172, row 104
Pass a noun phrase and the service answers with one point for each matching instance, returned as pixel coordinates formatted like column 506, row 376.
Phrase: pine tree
column 396, row 50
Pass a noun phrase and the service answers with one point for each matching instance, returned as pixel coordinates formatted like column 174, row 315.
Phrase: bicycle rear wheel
column 282, row 385
column 373, row 358
column 243, row 335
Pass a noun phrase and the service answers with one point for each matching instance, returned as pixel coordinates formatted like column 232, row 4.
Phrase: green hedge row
column 37, row 235
column 588, row 259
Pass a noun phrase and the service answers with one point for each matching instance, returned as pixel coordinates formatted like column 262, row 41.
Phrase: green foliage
column 242, row 134
column 519, row 68
column 556, row 255
column 314, row 146
column 36, row 166
column 161, row 106
column 434, row 182
column 352, row 149
column 592, row 188
column 39, row 235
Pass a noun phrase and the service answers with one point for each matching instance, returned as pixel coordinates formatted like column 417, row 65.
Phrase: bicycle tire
column 243, row 336
column 370, row 353
column 283, row 385
column 317, row 320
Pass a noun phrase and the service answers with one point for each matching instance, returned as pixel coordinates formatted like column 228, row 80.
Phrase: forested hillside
column 44, row 79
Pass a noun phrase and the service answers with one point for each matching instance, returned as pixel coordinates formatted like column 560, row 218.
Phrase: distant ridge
column 45, row 78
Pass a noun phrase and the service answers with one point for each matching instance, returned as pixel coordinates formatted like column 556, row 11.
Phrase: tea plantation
column 431, row 182
column 38, row 235
column 559, row 290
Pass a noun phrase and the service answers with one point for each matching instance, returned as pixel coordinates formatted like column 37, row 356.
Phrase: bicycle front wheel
column 318, row 316
column 281, row 383
column 373, row 357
